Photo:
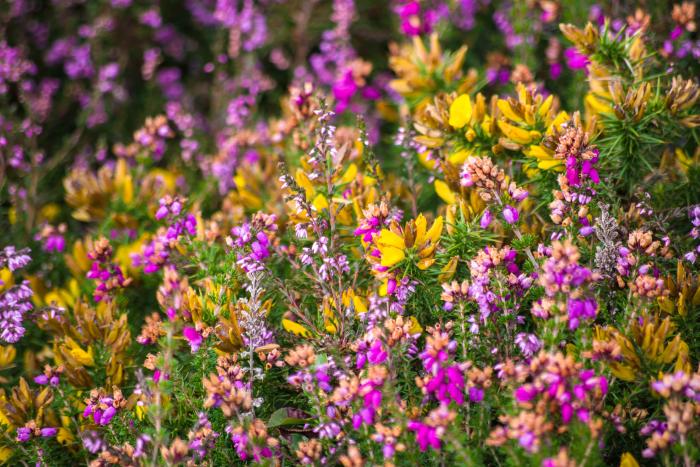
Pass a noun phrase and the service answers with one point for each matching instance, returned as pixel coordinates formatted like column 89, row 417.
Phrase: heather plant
column 281, row 232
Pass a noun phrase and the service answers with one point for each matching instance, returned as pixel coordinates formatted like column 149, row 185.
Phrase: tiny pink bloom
column 510, row 214
column 193, row 337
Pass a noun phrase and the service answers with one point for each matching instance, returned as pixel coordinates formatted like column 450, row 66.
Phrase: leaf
column 280, row 417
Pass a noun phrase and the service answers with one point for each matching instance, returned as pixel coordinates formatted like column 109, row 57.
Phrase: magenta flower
column 193, row 338
column 575, row 60
column 510, row 214
column 49, row 432
column 413, row 22
column 377, row 355
column 486, row 219
column 23, row 434
column 425, row 435
column 525, row 393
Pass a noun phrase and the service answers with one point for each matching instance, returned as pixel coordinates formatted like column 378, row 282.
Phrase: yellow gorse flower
column 331, row 312
column 628, row 460
column 420, row 70
column 98, row 335
column 684, row 292
column 90, row 193
column 295, row 328
column 7, row 356
column 650, row 342
column 461, row 111
column 414, row 241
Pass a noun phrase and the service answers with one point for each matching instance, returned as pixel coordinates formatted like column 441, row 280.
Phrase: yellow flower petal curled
column 597, row 105
column 514, row 133
column 349, row 174
column 83, row 357
column 546, row 105
column 561, row 118
column 305, row 183
column 295, row 328
column 444, row 192
column 460, row 111
column 421, row 224
column 507, row 111
column 448, row 271
column 435, row 231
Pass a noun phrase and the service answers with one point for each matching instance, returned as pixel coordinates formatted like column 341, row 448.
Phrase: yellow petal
column 383, row 288
column 597, row 105
column 628, row 460
column 359, row 304
column 389, row 238
column 548, row 164
column 623, row 372
column 5, row 454
column 127, row 190
column 448, row 271
column 295, row 328
column 320, row 202
column 349, row 174
column 459, row 157
column 425, row 263
column 64, row 436
column 430, row 164
column 305, row 183
column 83, row 357
column 546, row 105
column 415, row 328
column 435, row 230
column 507, row 111
column 444, row 192
column 460, row 111
column 391, row 256
column 421, row 225
column 539, row 152
column 515, row 134
column 559, row 120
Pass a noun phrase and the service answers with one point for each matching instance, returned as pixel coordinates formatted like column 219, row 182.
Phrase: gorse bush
column 349, row 233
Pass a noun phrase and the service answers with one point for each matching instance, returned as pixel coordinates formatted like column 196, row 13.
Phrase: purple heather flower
column 529, row 344
column 14, row 304
column 447, row 384
column 510, row 214
column 49, row 432
column 575, row 60
column 92, row 441
column 23, row 434
column 486, row 219
column 525, row 393
column 425, row 435
column 41, row 379
column 193, row 338
column 13, row 258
